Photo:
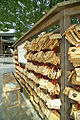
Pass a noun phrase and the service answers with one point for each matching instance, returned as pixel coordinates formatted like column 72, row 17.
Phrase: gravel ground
column 26, row 113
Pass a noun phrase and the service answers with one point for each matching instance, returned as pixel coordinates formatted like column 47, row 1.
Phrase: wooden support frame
column 17, row 105
column 62, row 13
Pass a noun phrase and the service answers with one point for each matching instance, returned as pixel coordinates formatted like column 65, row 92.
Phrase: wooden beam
column 73, row 11
column 76, row 16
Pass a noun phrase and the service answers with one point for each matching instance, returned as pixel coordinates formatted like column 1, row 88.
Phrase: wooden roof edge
column 7, row 34
column 5, row 40
column 58, row 7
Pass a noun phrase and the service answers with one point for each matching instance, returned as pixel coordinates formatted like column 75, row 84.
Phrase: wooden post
column 1, row 47
column 19, row 102
column 62, row 50
column 65, row 22
column 7, row 104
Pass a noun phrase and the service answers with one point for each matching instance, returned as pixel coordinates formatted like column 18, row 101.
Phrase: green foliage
column 75, row 21
column 21, row 15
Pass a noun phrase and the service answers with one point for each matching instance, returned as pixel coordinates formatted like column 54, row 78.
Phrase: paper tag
column 54, row 104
